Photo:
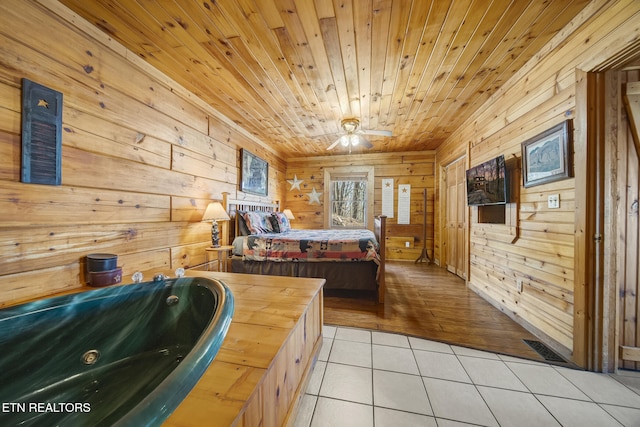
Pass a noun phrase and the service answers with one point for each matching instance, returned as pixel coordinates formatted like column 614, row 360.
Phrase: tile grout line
column 475, row 386
column 415, row 360
column 373, row 386
column 413, row 349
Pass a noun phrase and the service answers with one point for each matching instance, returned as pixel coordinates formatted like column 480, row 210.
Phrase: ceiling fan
column 353, row 136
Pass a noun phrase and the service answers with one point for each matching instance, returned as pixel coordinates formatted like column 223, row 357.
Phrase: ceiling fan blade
column 376, row 132
column 366, row 143
column 332, row 146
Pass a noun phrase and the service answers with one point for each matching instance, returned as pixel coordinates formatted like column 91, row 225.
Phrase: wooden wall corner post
column 225, row 200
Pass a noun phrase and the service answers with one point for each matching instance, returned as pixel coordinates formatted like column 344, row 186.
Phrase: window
column 349, row 192
column 348, row 203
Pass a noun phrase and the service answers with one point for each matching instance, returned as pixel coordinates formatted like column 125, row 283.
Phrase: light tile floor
column 370, row 378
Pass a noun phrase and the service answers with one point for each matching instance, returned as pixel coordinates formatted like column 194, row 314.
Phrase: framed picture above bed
column 254, row 174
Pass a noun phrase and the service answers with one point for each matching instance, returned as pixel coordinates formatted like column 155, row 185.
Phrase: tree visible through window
column 348, row 194
column 348, row 203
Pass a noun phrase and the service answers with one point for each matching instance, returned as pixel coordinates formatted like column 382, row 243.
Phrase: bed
column 349, row 260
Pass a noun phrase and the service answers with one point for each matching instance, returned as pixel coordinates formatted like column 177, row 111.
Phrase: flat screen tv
column 487, row 183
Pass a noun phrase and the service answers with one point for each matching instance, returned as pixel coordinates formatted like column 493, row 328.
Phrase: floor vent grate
column 544, row 351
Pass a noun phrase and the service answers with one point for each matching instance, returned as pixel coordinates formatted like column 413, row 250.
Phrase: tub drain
column 90, row 357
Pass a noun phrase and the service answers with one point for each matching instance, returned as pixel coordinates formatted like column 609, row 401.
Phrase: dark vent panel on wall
column 544, row 351
column 41, row 134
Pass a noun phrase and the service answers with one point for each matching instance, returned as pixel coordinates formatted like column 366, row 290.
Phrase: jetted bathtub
column 124, row 355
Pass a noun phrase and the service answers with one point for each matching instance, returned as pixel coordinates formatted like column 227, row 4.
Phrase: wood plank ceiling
column 288, row 71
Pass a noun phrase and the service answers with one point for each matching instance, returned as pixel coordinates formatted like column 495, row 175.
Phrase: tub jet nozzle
column 90, row 357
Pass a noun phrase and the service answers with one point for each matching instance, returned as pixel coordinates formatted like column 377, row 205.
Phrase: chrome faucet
column 159, row 277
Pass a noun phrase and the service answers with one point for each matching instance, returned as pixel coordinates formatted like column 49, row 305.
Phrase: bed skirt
column 358, row 276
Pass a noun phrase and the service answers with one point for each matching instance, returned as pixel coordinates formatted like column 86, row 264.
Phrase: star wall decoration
column 295, row 182
column 314, row 196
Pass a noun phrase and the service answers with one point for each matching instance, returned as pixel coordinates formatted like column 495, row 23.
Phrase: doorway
column 628, row 235
column 608, row 338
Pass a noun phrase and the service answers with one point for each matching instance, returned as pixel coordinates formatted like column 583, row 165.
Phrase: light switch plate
column 553, row 201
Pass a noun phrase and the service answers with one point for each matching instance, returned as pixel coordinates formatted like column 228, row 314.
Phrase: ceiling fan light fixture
column 350, row 125
column 352, row 136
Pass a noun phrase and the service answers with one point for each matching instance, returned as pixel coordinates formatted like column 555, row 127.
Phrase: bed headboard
column 234, row 205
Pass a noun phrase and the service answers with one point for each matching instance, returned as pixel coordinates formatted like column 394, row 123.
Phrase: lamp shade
column 288, row 214
column 215, row 212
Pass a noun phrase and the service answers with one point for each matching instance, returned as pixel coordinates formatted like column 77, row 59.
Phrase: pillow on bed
column 238, row 244
column 258, row 222
column 280, row 222
column 243, row 230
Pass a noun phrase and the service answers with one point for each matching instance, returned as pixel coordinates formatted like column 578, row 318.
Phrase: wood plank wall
column 414, row 168
column 541, row 95
column 141, row 159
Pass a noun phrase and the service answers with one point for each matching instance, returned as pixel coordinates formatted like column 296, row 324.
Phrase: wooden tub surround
column 264, row 364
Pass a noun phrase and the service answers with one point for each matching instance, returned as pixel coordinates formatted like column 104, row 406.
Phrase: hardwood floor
column 426, row 301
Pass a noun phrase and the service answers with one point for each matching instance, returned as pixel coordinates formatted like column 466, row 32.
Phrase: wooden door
column 456, row 258
column 629, row 304
column 451, row 217
column 461, row 202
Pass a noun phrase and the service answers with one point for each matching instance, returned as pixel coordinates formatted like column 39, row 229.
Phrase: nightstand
column 222, row 256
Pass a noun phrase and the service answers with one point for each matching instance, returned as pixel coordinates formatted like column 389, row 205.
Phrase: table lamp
column 214, row 213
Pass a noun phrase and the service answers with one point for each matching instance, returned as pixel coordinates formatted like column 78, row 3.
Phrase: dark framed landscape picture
column 254, row 174
column 547, row 157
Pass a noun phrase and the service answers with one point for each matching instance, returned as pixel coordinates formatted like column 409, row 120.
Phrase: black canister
column 105, row 278
column 101, row 262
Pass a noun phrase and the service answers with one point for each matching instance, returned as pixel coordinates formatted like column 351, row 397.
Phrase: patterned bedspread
column 312, row 245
